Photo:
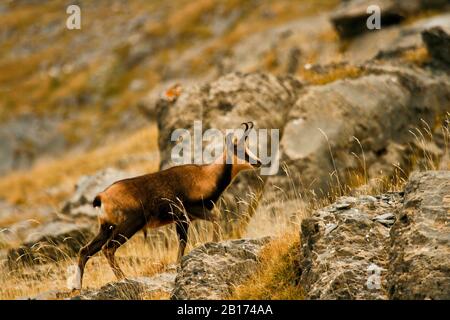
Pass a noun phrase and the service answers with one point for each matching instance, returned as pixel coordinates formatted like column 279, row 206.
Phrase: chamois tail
column 97, row 201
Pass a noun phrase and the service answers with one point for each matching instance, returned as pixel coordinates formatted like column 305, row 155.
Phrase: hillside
column 358, row 111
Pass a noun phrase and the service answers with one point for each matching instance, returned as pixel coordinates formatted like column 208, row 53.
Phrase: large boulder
column 211, row 270
column 391, row 246
column 360, row 127
column 346, row 243
column 420, row 253
column 138, row 288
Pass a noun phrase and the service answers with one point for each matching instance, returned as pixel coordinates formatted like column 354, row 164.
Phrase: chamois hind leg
column 121, row 235
column 182, row 227
column 89, row 250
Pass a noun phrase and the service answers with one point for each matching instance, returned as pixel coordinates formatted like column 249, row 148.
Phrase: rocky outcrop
column 343, row 244
column 17, row 232
column 132, row 289
column 392, row 246
column 330, row 133
column 331, row 128
column 211, row 270
column 420, row 240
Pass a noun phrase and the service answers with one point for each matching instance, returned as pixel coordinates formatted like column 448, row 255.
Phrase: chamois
column 177, row 195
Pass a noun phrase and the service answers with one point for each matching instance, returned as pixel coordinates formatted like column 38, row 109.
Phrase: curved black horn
column 246, row 126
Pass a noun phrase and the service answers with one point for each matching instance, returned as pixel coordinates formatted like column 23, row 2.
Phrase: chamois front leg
column 182, row 227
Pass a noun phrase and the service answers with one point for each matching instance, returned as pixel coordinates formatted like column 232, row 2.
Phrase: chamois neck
column 221, row 172
column 220, row 165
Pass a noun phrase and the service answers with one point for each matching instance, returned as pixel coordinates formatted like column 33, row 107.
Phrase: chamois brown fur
column 176, row 195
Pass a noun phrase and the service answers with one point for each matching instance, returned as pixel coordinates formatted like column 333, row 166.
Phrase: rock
column 386, row 219
column 332, row 127
column 393, row 41
column 341, row 248
column 80, row 204
column 17, row 232
column 343, row 206
column 51, row 242
column 329, row 133
column 393, row 247
column 350, row 18
column 438, row 43
column 419, row 255
column 211, row 270
column 131, row 289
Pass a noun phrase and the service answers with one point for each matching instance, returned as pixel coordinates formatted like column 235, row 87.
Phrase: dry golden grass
column 136, row 258
column 278, row 274
column 418, row 56
column 331, row 75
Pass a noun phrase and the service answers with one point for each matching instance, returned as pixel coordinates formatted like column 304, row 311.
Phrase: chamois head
column 239, row 152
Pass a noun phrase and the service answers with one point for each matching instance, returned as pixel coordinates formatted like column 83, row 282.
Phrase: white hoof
column 73, row 278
